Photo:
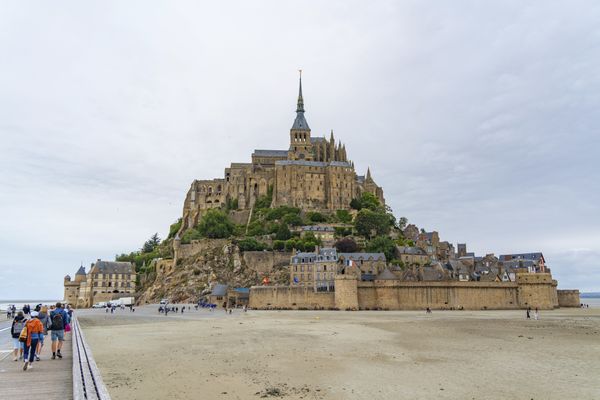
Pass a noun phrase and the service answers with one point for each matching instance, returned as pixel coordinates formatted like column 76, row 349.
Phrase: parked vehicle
column 101, row 304
column 164, row 301
column 127, row 301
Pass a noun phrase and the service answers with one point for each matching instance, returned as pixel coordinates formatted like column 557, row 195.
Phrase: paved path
column 49, row 379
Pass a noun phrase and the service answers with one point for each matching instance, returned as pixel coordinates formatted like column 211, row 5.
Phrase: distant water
column 20, row 303
column 592, row 301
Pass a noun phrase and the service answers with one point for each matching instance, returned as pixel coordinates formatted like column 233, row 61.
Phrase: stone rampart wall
column 531, row 292
column 265, row 261
column 397, row 295
column 197, row 246
column 568, row 298
column 269, row 297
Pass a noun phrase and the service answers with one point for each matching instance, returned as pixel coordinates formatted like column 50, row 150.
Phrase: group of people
column 536, row 314
column 30, row 327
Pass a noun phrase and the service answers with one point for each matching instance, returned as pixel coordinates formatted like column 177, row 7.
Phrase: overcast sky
column 479, row 119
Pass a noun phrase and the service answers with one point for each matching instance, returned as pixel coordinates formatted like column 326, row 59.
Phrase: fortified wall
column 529, row 290
column 568, row 298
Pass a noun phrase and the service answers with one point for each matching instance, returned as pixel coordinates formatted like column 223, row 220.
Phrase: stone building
column 314, row 270
column 412, row 255
column 314, row 173
column 105, row 281
column 532, row 262
column 368, row 264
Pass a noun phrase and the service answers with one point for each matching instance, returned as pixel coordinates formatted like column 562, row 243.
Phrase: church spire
column 300, row 107
column 300, row 122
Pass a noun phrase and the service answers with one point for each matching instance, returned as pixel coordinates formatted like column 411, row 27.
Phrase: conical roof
column 80, row 271
column 300, row 122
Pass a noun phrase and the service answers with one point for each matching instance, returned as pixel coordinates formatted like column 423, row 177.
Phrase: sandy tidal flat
column 347, row 355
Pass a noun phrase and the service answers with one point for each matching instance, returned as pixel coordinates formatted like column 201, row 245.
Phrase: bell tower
column 300, row 144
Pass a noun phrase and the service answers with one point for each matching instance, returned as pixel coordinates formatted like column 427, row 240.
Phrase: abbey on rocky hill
column 313, row 174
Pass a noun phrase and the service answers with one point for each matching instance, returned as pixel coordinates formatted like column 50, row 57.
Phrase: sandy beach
column 347, row 355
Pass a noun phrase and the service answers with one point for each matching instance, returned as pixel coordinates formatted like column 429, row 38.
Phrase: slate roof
column 521, row 256
column 411, row 250
column 301, row 162
column 270, row 153
column 311, row 257
column 300, row 122
column 317, row 139
column 363, row 256
column 219, row 290
column 386, row 275
column 80, row 271
column 317, row 228
column 114, row 267
column 314, row 163
column 243, row 293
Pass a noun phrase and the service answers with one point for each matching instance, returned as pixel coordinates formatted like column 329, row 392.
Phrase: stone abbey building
column 105, row 281
column 314, row 173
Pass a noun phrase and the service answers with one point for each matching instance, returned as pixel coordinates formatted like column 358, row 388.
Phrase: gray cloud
column 479, row 119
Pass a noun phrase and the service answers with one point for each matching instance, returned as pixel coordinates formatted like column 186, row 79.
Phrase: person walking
column 34, row 330
column 45, row 320
column 59, row 318
column 536, row 314
column 17, row 326
column 528, row 313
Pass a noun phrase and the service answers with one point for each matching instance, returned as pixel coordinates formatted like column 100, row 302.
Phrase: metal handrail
column 87, row 380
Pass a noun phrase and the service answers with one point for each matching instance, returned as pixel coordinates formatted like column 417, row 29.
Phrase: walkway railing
column 87, row 381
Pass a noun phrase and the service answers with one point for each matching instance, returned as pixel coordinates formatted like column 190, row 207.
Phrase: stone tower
column 300, row 143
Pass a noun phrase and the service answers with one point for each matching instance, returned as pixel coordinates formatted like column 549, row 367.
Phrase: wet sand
column 347, row 355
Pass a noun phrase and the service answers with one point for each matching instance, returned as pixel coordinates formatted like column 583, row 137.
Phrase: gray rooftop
column 219, row 290
column 80, row 271
column 313, row 163
column 522, row 256
column 270, row 153
column 114, row 267
column 410, row 250
column 386, row 275
column 363, row 256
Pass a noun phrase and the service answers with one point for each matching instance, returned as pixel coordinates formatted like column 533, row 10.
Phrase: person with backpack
column 17, row 326
column 59, row 318
column 45, row 320
column 34, row 330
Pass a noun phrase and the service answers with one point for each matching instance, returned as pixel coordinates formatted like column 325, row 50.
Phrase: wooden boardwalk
column 48, row 379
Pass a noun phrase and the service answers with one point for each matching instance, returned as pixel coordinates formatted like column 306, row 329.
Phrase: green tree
column 402, row 221
column 251, row 244
column 370, row 201
column 370, row 223
column 278, row 244
column 215, row 225
column 174, row 228
column 293, row 219
column 343, row 216
column 150, row 244
column 382, row 244
column 314, row 216
column 256, row 228
column 283, row 232
column 346, row 245
column 355, row 204
column 265, row 200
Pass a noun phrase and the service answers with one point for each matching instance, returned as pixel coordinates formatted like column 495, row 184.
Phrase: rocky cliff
column 195, row 272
